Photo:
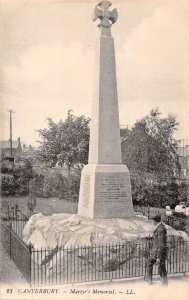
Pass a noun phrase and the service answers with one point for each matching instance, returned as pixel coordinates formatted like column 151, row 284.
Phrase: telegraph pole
column 11, row 111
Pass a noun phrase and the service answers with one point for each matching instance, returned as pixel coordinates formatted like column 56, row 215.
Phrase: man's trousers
column 161, row 269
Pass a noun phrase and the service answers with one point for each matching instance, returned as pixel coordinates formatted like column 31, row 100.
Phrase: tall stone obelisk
column 105, row 190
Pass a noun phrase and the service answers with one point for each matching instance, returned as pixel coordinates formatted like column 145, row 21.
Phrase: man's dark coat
column 159, row 248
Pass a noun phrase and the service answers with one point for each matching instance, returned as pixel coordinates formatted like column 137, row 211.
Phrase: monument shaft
column 105, row 190
column 105, row 147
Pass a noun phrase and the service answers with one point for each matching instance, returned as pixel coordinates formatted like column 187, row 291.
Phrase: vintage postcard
column 94, row 149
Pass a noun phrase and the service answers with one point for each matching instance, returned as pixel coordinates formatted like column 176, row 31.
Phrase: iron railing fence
column 102, row 262
column 16, row 219
column 63, row 265
column 14, row 213
column 6, row 237
column 147, row 211
column 17, row 225
column 18, row 251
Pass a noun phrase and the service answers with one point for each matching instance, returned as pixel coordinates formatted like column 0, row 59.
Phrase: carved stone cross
column 106, row 16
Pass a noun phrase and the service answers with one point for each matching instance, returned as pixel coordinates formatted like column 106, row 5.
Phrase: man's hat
column 157, row 218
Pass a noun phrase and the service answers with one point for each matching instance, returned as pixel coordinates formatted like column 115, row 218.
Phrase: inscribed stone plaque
column 86, row 190
column 111, row 187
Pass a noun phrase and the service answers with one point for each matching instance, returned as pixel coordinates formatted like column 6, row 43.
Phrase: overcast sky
column 47, row 54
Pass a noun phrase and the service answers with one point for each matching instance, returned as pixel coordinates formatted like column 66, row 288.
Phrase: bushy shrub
column 157, row 194
column 74, row 186
column 36, row 186
column 49, row 185
column 56, row 185
column 23, row 181
column 62, row 187
column 16, row 182
column 179, row 215
column 179, row 221
column 9, row 185
column 5, row 169
column 183, row 191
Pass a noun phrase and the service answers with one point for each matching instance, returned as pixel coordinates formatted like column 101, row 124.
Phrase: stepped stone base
column 105, row 192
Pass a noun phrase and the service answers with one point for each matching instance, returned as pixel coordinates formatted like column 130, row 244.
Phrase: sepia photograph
column 94, row 149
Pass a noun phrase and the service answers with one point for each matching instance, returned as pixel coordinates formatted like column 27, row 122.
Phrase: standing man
column 158, row 252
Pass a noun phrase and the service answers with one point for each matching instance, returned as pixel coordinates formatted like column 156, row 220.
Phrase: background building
column 16, row 148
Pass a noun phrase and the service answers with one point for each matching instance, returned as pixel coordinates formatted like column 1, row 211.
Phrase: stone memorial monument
column 105, row 190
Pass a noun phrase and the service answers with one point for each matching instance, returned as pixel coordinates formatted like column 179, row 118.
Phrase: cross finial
column 106, row 16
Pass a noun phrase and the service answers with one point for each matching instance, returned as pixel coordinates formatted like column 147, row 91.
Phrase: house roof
column 30, row 148
column 6, row 144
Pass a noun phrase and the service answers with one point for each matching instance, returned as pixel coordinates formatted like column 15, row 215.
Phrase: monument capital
column 102, row 12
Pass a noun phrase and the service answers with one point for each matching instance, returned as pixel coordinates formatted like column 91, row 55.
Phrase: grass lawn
column 46, row 206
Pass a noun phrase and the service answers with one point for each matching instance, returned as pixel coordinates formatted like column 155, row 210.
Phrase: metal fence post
column 30, row 246
column 16, row 211
column 148, row 212
column 10, row 240
column 12, row 212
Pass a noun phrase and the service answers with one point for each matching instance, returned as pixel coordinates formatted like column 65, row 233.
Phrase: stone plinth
column 105, row 192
